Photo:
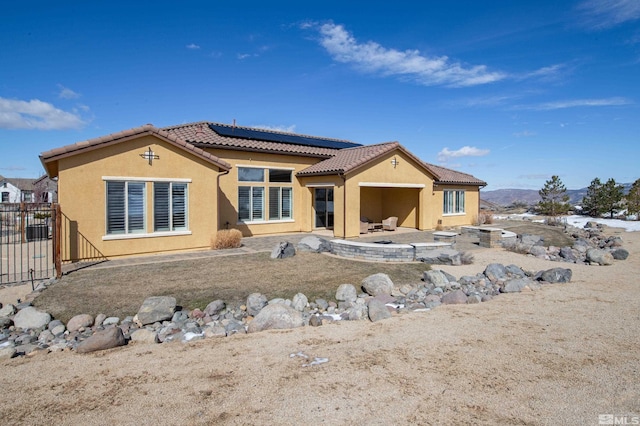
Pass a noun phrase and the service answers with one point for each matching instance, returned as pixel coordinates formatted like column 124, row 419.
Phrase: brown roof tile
column 346, row 160
column 69, row 150
column 200, row 134
column 444, row 176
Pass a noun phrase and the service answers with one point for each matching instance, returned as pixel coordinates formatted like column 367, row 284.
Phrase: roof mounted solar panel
column 290, row 138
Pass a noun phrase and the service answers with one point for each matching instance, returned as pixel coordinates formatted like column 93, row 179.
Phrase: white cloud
column 66, row 93
column 286, row 129
column 524, row 134
column 36, row 114
column 601, row 14
column 466, row 151
column 549, row 72
column 425, row 70
column 574, row 103
column 192, row 46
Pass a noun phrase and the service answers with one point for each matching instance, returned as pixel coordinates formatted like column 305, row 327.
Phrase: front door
column 323, row 206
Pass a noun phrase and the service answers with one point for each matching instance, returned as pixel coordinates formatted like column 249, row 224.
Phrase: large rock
column 378, row 310
column 144, row 336
column 105, row 339
column 568, row 254
column 7, row 351
column 156, row 309
column 436, row 277
column 283, row 250
column 555, row 275
column 80, row 321
column 443, row 257
column 601, row 257
column 620, row 254
column 255, row 303
column 7, row 310
column 495, row 272
column 276, row 316
column 515, row 285
column 314, row 244
column 538, row 251
column 454, row 298
column 377, row 284
column 31, row 318
column 214, row 308
column 299, row 302
column 346, row 293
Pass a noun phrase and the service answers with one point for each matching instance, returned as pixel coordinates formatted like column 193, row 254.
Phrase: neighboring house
column 18, row 190
column 149, row 189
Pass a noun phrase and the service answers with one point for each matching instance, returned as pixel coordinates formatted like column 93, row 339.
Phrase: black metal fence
column 26, row 243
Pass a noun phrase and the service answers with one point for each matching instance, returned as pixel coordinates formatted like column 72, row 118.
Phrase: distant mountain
column 507, row 197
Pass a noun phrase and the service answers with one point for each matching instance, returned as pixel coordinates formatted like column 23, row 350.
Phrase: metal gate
column 26, row 243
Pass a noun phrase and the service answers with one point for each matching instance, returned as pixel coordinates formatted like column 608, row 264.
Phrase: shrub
column 484, row 218
column 226, row 239
column 466, row 258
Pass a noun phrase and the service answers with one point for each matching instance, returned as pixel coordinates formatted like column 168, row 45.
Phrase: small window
column 279, row 176
column 250, row 203
column 280, row 203
column 453, row 202
column 5, row 197
column 250, row 174
column 125, row 207
column 169, row 206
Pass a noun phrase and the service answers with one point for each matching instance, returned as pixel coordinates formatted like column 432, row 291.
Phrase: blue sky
column 511, row 92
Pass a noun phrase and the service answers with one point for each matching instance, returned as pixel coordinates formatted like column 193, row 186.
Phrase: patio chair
column 390, row 223
column 364, row 225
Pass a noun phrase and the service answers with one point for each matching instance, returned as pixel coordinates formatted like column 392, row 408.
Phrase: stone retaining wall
column 384, row 252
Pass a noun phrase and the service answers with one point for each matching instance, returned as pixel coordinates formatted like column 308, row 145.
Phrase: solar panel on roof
column 262, row 135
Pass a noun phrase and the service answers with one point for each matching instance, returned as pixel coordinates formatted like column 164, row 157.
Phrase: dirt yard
column 562, row 355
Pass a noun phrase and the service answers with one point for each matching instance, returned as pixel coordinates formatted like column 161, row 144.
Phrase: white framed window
column 170, row 201
column 126, row 210
column 453, row 202
column 280, row 203
column 274, row 192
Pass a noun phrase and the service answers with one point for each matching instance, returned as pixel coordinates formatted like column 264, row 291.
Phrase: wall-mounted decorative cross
column 150, row 155
column 394, row 162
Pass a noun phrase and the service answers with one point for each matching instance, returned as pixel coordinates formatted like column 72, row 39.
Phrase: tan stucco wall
column 228, row 196
column 472, row 203
column 380, row 190
column 81, row 191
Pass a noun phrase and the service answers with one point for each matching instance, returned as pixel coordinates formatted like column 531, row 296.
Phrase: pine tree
column 554, row 198
column 592, row 203
column 612, row 195
column 633, row 199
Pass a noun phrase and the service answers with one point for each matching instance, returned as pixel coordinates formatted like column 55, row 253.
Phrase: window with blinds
column 273, row 185
column 453, row 202
column 169, row 206
column 125, row 207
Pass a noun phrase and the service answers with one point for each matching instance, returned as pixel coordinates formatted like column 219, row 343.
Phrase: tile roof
column 148, row 129
column 346, row 160
column 200, row 134
column 444, row 176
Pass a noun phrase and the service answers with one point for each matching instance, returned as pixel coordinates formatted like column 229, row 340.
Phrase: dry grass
column 226, row 239
column 484, row 218
column 194, row 283
column 553, row 235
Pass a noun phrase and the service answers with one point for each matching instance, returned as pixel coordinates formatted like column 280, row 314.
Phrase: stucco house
column 152, row 189
column 18, row 190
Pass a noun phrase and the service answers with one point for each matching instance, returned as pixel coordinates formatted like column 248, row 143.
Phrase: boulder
column 7, row 351
column 555, row 275
column 436, row 277
column 515, row 271
column 214, row 308
column 99, row 320
column 378, row 310
column 538, row 251
column 515, row 285
column 454, row 298
column 443, row 257
column 105, row 339
column 346, row 293
column 568, row 254
column 255, row 303
column 31, row 318
column 620, row 254
column 600, row 257
column 276, row 316
column 299, row 302
column 283, row 251
column 377, row 284
column 144, row 336
column 314, row 244
column 79, row 321
column 156, row 309
column 495, row 272
column 7, row 310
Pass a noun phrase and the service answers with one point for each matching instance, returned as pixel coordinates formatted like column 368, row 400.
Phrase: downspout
column 224, row 172
column 344, row 205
